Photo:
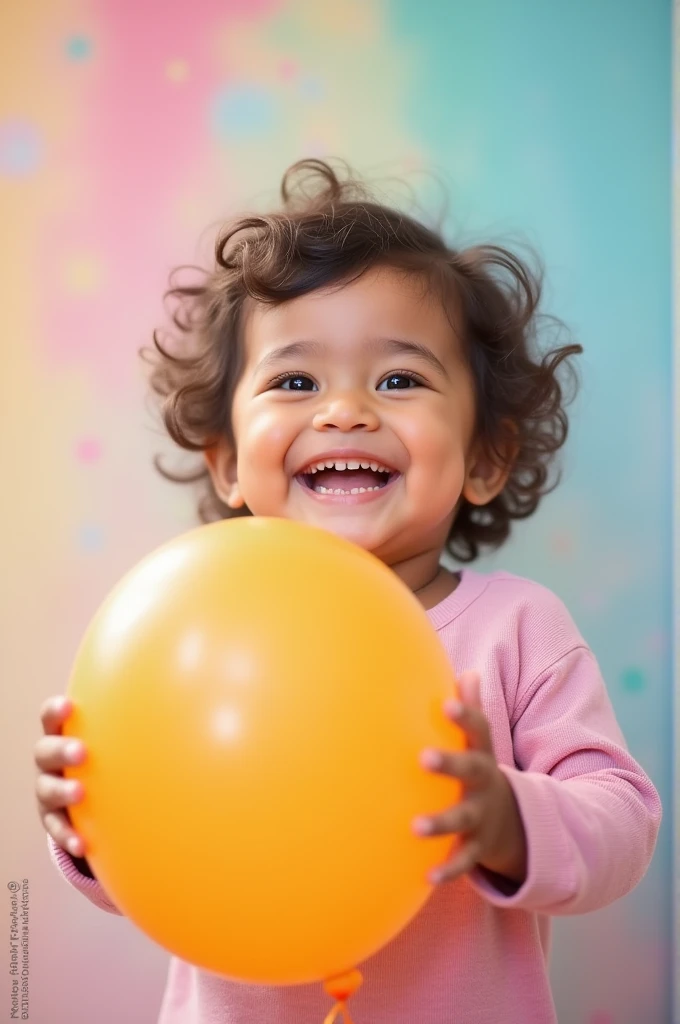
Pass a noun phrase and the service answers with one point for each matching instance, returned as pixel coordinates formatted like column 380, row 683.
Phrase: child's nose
column 346, row 412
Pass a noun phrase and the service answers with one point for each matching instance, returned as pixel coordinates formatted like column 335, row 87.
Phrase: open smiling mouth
column 353, row 476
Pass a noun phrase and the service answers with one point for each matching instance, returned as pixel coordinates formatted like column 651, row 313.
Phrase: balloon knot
column 342, row 986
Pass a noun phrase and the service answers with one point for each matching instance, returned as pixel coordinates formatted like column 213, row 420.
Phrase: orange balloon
column 254, row 697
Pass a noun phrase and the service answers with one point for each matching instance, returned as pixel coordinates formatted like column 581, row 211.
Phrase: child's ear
column 488, row 471
column 220, row 459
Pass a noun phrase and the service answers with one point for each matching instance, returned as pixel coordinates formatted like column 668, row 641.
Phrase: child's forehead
column 382, row 302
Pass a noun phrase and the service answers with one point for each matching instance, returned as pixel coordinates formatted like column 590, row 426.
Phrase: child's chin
column 358, row 533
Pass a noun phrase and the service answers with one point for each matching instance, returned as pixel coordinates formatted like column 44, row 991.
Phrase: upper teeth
column 377, row 467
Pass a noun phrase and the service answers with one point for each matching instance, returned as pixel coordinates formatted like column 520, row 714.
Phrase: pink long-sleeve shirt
column 475, row 954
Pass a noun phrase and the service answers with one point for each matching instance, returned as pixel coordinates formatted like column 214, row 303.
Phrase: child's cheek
column 265, row 440
column 263, row 444
column 433, row 444
column 436, row 473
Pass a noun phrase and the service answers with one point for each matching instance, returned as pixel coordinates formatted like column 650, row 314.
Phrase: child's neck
column 429, row 581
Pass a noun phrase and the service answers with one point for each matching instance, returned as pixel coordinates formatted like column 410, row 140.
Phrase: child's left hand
column 487, row 818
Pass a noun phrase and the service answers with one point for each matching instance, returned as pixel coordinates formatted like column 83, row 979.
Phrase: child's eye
column 399, row 382
column 294, row 382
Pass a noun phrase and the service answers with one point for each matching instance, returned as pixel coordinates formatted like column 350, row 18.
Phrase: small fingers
column 473, row 767
column 53, row 753
column 58, row 826
column 54, row 792
column 54, row 713
column 465, row 860
column 465, row 817
column 469, row 688
column 473, row 722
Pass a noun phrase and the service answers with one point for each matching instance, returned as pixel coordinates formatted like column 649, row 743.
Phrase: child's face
column 367, row 375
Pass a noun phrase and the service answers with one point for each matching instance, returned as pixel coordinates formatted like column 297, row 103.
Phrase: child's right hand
column 54, row 752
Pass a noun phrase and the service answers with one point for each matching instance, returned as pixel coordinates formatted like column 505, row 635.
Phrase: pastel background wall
column 127, row 129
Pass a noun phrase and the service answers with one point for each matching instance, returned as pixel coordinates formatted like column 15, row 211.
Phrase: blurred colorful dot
column 177, row 70
column 21, row 149
column 311, row 88
column 355, row 18
column 78, row 48
column 562, row 543
column 315, row 148
column 88, row 450
column 90, row 537
column 242, row 111
column 657, row 642
column 413, row 161
column 633, row 680
column 287, row 69
column 82, row 275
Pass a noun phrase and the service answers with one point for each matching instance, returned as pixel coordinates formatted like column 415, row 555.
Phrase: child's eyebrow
column 294, row 350
column 401, row 346
column 386, row 346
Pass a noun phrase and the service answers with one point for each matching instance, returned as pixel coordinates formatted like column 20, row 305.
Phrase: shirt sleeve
column 89, row 887
column 590, row 813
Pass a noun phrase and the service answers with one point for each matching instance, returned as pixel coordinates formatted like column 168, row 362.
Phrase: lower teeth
column 338, row 490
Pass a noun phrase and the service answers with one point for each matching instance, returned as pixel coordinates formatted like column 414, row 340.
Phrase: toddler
column 341, row 365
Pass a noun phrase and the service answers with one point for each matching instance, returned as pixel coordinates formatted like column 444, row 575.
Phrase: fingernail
column 74, row 847
column 436, row 876
column 422, row 826
column 453, row 708
column 73, row 789
column 431, row 759
column 73, row 751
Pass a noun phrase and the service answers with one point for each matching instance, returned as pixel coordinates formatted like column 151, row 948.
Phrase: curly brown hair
column 329, row 231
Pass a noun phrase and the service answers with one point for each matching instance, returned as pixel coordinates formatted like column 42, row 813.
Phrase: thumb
column 469, row 684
